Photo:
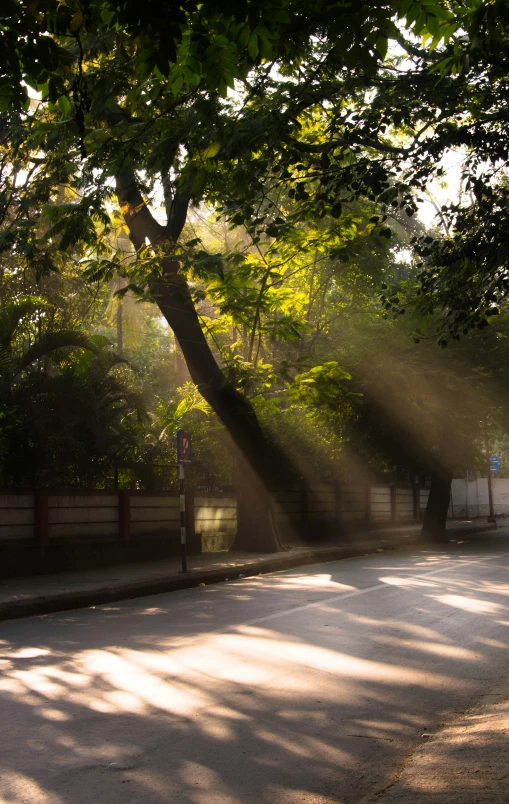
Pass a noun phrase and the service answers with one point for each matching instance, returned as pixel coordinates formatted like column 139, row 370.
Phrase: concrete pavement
column 306, row 686
column 466, row 762
column 43, row 594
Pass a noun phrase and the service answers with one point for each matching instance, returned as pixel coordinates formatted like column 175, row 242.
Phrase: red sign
column 184, row 447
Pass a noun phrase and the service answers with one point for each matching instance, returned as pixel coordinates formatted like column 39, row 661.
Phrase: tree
column 138, row 97
column 63, row 375
column 402, row 409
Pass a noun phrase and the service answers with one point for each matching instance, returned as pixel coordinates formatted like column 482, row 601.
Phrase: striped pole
column 183, row 541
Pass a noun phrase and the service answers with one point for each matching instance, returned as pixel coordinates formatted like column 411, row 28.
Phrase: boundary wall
column 470, row 498
column 49, row 517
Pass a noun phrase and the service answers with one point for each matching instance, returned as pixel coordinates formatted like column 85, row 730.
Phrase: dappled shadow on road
column 193, row 698
column 466, row 763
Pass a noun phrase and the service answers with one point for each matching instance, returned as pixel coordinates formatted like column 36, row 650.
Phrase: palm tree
column 67, row 409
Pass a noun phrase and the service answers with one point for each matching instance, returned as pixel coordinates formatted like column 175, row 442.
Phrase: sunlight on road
column 308, row 698
column 470, row 604
column 184, row 681
column 17, row 787
column 406, row 583
column 320, row 581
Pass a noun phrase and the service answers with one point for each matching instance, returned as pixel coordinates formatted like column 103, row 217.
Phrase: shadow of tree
column 467, row 763
column 296, row 687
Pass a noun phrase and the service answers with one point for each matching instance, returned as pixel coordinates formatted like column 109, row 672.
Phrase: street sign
column 495, row 463
column 184, row 447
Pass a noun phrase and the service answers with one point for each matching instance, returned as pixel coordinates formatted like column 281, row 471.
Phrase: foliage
column 310, row 128
column 63, row 376
column 309, row 110
column 189, row 41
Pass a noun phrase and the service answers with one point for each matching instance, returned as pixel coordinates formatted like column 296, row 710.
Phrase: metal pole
column 491, row 517
column 183, row 541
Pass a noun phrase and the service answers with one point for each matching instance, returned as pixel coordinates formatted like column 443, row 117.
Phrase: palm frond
column 55, row 341
column 12, row 313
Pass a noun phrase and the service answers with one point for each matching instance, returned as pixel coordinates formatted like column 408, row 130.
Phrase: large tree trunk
column 434, row 526
column 256, row 457
column 257, row 529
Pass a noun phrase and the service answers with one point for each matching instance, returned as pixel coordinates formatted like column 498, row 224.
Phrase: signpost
column 495, row 463
column 184, row 457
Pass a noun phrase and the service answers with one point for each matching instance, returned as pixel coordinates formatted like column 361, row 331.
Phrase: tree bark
column 434, row 526
column 255, row 457
column 256, row 528
column 256, row 524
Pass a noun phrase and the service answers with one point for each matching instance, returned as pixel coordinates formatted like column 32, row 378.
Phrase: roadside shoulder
column 465, row 762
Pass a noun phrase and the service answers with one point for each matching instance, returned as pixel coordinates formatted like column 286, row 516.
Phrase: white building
column 470, row 498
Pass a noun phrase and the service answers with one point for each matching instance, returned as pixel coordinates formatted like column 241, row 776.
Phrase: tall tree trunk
column 434, row 526
column 256, row 457
column 257, row 529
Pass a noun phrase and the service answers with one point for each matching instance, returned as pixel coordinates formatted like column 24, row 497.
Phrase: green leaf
column 243, row 37
column 211, row 151
column 265, row 47
column 252, row 47
column 381, row 46
column 177, row 83
column 6, row 96
column 64, row 105
column 76, row 21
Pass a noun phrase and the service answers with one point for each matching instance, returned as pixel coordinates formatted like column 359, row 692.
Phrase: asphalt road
column 306, row 686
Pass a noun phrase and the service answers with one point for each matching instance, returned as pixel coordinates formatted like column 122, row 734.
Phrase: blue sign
column 184, row 447
column 495, row 463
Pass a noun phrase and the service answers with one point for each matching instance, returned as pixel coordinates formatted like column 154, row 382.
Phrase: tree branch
column 142, row 224
column 177, row 217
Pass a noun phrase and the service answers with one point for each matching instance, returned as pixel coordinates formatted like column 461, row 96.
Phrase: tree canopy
column 312, row 126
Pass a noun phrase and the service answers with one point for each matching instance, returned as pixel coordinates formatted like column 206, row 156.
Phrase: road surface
column 303, row 687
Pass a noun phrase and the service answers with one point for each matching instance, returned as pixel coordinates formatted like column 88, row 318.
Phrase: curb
column 66, row 601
